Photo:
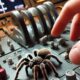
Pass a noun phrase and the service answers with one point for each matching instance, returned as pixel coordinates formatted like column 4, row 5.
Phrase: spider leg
column 36, row 67
column 43, row 70
column 24, row 59
column 26, row 69
column 50, row 55
column 19, row 68
column 52, row 67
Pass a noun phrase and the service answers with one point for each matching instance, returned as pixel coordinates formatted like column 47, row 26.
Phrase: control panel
column 29, row 52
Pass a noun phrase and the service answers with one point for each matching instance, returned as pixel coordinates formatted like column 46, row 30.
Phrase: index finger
column 69, row 10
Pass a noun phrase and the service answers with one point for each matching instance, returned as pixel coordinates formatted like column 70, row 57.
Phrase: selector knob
column 3, row 75
column 71, row 75
column 8, row 42
column 54, row 46
column 44, row 40
column 2, row 53
column 12, row 47
column 68, row 51
column 50, row 38
column 55, row 79
column 62, row 42
column 10, row 61
column 19, row 57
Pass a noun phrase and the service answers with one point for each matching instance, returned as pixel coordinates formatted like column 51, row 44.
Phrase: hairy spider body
column 42, row 58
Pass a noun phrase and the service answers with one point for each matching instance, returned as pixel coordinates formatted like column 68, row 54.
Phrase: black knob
column 54, row 46
column 65, row 55
column 62, row 42
column 10, row 61
column 50, row 38
column 2, row 53
column 44, row 40
column 8, row 42
column 54, row 78
column 19, row 57
column 70, row 75
column 12, row 47
column 68, row 50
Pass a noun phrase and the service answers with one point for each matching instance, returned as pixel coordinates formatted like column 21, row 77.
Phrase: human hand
column 69, row 11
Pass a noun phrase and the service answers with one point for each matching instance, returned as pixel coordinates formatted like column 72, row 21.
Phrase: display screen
column 9, row 5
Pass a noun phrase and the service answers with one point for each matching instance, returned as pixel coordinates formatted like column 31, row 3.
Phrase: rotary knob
column 54, row 46
column 12, row 47
column 55, row 78
column 2, row 53
column 8, row 42
column 19, row 57
column 71, row 75
column 44, row 40
column 62, row 42
column 67, row 53
column 3, row 75
column 10, row 61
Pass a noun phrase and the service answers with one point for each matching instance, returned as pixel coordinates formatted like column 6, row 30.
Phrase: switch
column 19, row 57
column 12, row 47
column 71, row 75
column 54, row 46
column 8, row 42
column 3, row 75
column 62, row 42
column 10, row 61
column 50, row 38
column 54, row 79
column 68, row 50
column 67, row 53
column 4, row 61
column 2, row 53
column 44, row 40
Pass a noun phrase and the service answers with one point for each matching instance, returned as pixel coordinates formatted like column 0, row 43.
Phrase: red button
column 3, row 75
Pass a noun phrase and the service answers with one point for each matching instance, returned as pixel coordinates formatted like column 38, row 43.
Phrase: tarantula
column 42, row 57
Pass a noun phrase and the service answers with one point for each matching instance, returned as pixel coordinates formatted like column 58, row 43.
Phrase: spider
column 42, row 57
